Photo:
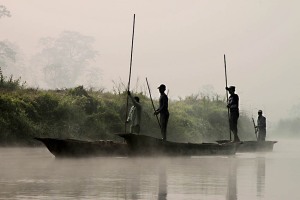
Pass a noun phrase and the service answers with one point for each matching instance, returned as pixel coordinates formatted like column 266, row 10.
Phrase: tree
column 65, row 58
column 11, row 59
column 4, row 12
column 7, row 53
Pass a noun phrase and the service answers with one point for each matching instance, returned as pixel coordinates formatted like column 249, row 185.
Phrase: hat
column 230, row 88
column 259, row 111
column 162, row 86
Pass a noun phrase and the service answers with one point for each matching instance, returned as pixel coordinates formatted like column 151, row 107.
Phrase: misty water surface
column 33, row 173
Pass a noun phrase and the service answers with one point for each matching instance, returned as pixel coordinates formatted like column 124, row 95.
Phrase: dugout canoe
column 149, row 146
column 81, row 148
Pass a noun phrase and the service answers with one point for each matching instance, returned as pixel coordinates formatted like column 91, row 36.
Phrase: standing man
column 134, row 114
column 163, row 111
column 261, row 126
column 233, row 106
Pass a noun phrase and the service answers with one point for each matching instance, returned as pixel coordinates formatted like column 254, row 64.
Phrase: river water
column 34, row 173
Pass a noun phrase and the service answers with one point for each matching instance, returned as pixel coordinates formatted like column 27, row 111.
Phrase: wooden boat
column 252, row 146
column 80, row 148
column 147, row 146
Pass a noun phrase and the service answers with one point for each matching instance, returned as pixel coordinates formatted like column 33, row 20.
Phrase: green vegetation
column 93, row 115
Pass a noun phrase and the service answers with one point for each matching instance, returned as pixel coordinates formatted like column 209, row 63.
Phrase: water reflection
column 261, row 176
column 146, row 179
column 232, row 180
column 239, row 176
column 134, row 183
column 28, row 173
column 162, row 183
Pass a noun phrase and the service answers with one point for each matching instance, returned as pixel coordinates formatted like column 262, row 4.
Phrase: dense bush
column 93, row 115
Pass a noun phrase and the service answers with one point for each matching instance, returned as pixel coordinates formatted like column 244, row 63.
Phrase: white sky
column 180, row 43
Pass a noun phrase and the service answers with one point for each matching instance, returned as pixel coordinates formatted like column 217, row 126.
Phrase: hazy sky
column 180, row 43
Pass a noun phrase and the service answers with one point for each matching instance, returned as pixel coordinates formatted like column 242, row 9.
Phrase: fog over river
column 34, row 173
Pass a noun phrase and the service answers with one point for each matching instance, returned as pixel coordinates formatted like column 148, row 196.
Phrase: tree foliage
column 4, row 12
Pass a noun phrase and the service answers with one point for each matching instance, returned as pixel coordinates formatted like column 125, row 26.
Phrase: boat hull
column 80, row 148
column 256, row 146
column 253, row 146
column 148, row 146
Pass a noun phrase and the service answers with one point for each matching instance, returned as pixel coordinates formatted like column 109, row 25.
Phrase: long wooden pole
column 128, row 88
column 152, row 102
column 255, row 130
column 227, row 96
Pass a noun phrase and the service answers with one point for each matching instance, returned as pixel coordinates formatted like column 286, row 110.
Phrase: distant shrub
column 10, row 83
column 78, row 91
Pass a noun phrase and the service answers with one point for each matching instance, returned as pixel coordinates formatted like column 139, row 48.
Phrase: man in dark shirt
column 233, row 105
column 163, row 111
column 261, row 126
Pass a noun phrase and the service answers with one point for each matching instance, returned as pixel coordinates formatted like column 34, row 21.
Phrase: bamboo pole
column 130, row 65
column 255, row 130
column 227, row 96
column 152, row 102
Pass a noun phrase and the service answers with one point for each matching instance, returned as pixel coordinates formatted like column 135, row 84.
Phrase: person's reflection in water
column 260, row 180
column 232, row 179
column 134, row 179
column 162, row 183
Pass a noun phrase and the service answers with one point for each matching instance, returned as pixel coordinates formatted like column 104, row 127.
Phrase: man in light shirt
column 134, row 117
